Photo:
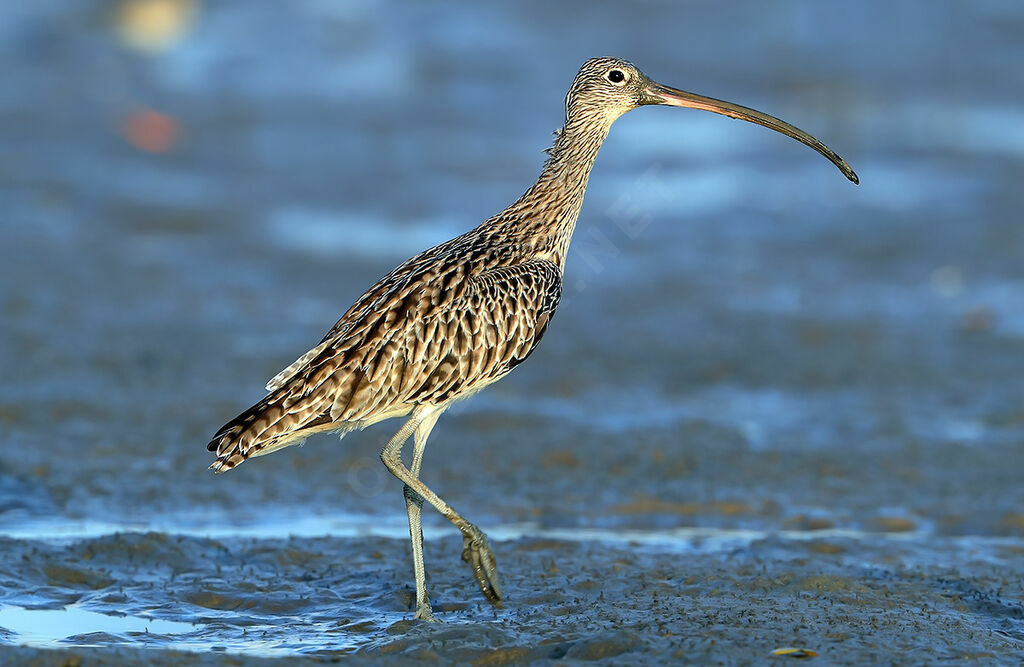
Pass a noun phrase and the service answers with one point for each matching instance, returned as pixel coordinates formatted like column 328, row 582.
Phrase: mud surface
column 843, row 598
column 774, row 410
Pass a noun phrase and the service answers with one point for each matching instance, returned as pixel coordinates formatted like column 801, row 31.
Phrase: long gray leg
column 475, row 549
column 413, row 506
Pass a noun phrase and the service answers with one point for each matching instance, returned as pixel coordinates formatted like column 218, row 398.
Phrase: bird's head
column 605, row 88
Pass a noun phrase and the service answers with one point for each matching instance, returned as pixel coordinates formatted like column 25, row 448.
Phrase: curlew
column 459, row 316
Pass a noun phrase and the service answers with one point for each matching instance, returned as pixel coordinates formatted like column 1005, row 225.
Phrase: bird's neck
column 544, row 218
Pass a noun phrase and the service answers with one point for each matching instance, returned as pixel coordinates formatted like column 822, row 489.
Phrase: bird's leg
column 475, row 551
column 413, row 506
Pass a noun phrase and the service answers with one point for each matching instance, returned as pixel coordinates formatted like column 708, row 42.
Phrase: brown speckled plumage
column 446, row 323
column 459, row 316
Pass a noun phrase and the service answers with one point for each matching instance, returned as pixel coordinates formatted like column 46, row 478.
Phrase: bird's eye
column 616, row 76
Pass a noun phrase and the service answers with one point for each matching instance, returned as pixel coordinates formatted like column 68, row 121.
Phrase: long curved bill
column 659, row 94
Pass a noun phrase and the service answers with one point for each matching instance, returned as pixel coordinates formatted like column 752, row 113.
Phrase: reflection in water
column 74, row 626
column 59, row 627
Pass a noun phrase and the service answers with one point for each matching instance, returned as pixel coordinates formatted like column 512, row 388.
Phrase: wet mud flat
column 851, row 600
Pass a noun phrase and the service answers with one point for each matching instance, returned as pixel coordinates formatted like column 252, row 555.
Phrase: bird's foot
column 477, row 552
column 423, row 613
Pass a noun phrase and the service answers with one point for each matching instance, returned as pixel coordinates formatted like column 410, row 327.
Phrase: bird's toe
column 424, row 613
column 477, row 552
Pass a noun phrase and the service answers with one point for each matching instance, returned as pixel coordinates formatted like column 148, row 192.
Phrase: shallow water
column 78, row 626
column 774, row 409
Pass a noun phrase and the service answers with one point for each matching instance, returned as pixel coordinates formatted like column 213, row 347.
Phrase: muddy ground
column 849, row 600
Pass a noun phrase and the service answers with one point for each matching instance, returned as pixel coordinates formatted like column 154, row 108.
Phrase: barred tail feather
column 266, row 427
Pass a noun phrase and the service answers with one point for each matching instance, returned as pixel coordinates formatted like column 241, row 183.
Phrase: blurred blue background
column 193, row 192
